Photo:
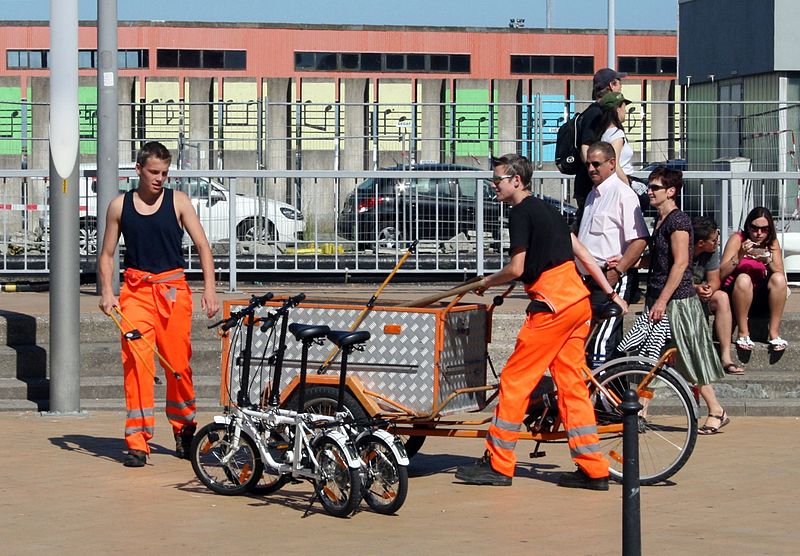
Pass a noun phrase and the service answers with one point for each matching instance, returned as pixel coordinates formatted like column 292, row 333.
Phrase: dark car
column 382, row 211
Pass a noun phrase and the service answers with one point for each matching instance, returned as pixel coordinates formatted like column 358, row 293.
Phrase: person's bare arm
column 776, row 263
column 190, row 221
column 618, row 144
column 679, row 245
column 584, row 152
column 511, row 271
column 713, row 280
column 105, row 258
column 730, row 256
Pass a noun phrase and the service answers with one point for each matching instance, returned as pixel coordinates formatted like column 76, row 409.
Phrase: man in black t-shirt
column 542, row 256
column 606, row 80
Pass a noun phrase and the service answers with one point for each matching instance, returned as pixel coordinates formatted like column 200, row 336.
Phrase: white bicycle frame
column 245, row 419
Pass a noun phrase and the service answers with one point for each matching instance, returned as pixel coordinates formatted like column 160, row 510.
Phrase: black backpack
column 568, row 146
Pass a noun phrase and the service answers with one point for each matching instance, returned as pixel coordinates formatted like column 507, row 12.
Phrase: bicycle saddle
column 606, row 310
column 308, row 331
column 344, row 338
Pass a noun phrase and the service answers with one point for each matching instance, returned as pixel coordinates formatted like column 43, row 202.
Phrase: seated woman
column 752, row 270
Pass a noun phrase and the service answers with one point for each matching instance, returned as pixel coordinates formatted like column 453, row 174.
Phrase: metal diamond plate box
column 414, row 360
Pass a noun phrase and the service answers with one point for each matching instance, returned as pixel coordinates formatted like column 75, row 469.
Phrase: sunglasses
column 497, row 179
column 656, row 186
column 762, row 229
column 594, row 164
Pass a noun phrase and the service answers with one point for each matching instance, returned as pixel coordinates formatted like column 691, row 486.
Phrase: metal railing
column 340, row 232
column 323, row 159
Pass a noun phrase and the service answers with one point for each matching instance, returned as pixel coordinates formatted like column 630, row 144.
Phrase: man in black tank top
column 155, row 298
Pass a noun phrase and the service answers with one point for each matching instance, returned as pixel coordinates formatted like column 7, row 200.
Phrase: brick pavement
column 65, row 491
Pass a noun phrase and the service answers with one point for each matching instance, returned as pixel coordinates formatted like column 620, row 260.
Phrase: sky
column 574, row 14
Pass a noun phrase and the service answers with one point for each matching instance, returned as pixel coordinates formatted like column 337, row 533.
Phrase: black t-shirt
column 538, row 228
column 589, row 120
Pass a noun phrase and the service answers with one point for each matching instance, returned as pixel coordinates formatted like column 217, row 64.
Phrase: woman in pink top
column 752, row 269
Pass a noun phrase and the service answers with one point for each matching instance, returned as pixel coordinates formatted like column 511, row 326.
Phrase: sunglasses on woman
column 656, row 186
column 762, row 229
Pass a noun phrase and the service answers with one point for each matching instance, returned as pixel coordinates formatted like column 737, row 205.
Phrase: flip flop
column 745, row 343
column 733, row 369
column 707, row 430
column 777, row 344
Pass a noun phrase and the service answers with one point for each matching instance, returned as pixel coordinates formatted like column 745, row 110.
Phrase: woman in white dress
column 611, row 131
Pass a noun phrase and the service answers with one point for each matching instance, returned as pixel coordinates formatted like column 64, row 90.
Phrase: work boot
column 579, row 479
column 135, row 458
column 183, row 441
column 481, row 473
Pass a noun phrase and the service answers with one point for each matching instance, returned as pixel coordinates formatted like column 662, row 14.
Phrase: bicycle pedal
column 537, row 454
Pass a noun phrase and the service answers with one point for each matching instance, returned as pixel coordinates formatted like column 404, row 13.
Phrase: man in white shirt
column 614, row 231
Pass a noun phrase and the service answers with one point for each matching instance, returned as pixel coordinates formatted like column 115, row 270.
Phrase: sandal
column 733, row 369
column 778, row 344
column 708, row 429
column 745, row 343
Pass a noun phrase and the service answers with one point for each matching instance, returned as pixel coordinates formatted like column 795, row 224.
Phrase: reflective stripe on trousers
column 554, row 341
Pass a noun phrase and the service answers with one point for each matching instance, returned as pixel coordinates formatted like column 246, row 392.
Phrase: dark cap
column 612, row 100
column 605, row 76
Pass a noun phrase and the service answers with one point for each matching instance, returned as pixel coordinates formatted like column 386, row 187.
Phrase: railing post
column 232, row 235
column 631, row 518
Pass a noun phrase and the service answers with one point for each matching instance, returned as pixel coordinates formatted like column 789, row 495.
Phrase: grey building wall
column 725, row 38
column 787, row 20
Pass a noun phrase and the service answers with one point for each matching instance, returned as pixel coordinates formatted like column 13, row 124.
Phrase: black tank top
column 152, row 242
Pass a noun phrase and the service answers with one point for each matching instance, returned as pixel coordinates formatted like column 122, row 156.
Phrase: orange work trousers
column 160, row 307
column 555, row 341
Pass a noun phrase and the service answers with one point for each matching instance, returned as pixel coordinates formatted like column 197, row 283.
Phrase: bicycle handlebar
column 255, row 302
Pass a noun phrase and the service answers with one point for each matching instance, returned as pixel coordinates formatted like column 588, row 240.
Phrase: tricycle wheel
column 321, row 399
column 412, row 444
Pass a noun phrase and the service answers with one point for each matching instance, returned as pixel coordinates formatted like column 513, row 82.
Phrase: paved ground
column 64, row 490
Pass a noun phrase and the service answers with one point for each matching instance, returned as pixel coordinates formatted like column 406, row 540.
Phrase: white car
column 256, row 219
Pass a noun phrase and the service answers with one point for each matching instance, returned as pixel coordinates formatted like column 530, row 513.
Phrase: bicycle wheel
column 238, row 474
column 667, row 424
column 272, row 481
column 339, row 485
column 321, row 399
column 385, row 480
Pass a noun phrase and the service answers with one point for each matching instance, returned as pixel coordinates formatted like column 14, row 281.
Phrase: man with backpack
column 606, row 80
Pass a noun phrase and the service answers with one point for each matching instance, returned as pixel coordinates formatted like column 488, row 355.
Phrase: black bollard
column 631, row 517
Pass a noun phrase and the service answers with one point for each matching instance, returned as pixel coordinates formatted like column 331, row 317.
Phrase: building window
column 201, row 59
column 376, row 62
column 132, row 59
column 26, row 59
column 87, row 59
column 648, row 65
column 126, row 59
column 560, row 65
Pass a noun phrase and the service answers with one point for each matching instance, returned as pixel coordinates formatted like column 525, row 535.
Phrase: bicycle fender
column 347, row 448
column 608, row 367
column 394, row 443
column 223, row 419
